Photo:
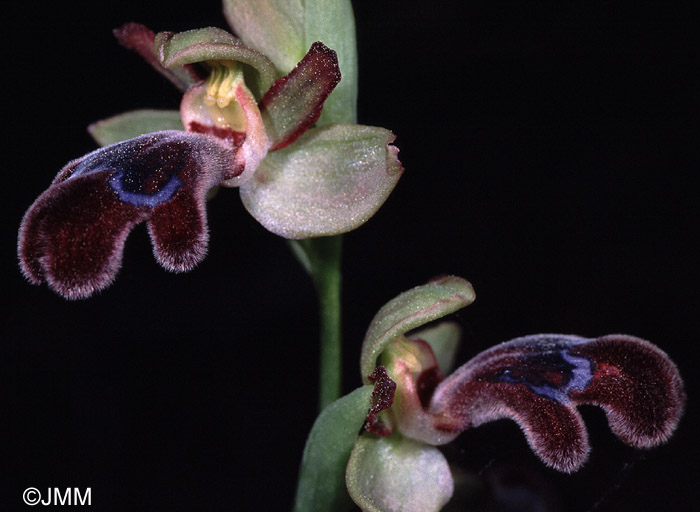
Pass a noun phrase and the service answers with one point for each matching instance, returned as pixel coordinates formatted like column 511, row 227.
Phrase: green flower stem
column 328, row 288
column 321, row 485
column 327, row 280
column 321, row 258
column 331, row 22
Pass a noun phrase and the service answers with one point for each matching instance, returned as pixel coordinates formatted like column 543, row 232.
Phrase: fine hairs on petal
column 538, row 381
column 179, row 234
column 637, row 385
column 73, row 236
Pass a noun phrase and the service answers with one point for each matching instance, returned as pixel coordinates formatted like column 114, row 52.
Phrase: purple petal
column 73, row 235
column 179, row 234
column 539, row 380
column 637, row 385
column 554, row 431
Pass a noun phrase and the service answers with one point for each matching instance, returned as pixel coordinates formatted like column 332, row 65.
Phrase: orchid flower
column 240, row 124
column 537, row 381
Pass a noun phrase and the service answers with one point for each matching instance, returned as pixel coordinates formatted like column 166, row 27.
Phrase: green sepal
column 332, row 22
column 284, row 30
column 214, row 44
column 411, row 310
column 274, row 27
column 330, row 181
column 132, row 124
column 321, row 486
column 397, row 474
column 444, row 339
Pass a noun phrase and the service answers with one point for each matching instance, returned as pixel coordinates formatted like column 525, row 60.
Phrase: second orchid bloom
column 240, row 124
column 419, row 402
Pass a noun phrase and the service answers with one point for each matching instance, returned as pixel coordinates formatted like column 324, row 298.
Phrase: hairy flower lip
column 348, row 173
column 72, row 237
column 538, row 381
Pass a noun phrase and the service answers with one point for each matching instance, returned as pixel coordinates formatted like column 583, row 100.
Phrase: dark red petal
column 72, row 236
column 179, row 233
column 294, row 102
column 554, row 431
column 30, row 244
column 178, row 227
column 382, row 398
column 140, row 39
column 637, row 385
column 539, row 380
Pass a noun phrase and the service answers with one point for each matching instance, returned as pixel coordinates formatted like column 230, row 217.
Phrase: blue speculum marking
column 144, row 170
column 553, row 374
column 137, row 198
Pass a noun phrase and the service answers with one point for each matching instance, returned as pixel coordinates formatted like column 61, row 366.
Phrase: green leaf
column 273, row 27
column 330, row 181
column 410, row 310
column 397, row 474
column 132, row 124
column 444, row 339
column 321, row 485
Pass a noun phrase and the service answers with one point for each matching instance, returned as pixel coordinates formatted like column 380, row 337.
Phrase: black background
column 550, row 151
